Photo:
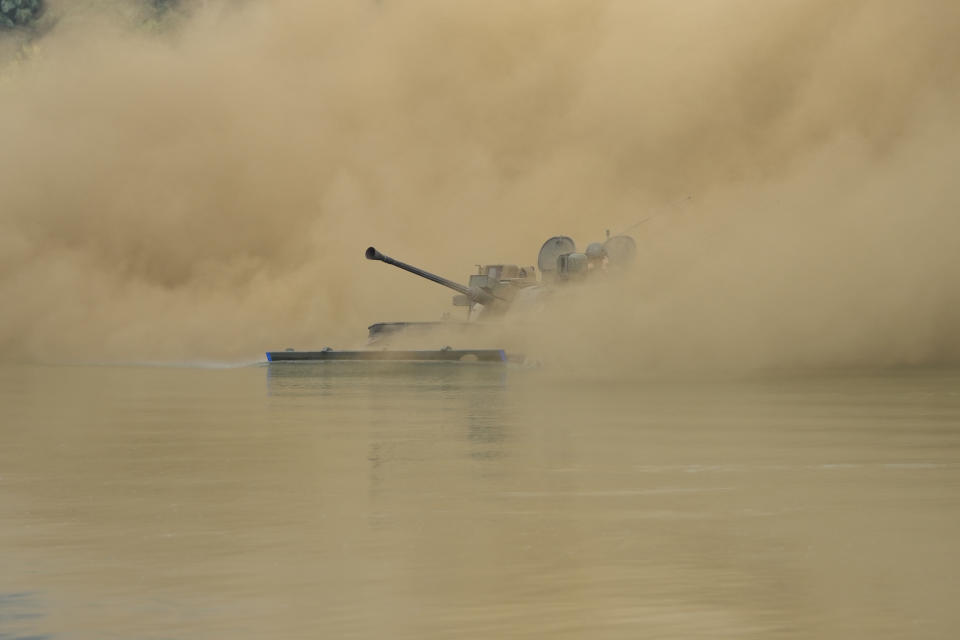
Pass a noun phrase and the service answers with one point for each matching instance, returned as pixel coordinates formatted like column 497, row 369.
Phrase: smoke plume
column 202, row 184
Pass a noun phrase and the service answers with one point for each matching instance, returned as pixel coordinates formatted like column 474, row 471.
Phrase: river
column 357, row 500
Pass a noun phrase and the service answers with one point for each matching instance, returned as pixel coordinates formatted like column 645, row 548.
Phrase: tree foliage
column 19, row 13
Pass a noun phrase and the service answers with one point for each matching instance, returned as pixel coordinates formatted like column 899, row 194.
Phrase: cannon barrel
column 476, row 295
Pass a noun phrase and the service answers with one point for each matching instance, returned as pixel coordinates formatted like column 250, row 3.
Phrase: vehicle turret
column 476, row 295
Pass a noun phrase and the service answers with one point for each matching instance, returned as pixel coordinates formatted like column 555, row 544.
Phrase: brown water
column 443, row 501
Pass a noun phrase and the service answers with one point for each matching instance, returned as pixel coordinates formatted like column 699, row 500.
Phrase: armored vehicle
column 492, row 295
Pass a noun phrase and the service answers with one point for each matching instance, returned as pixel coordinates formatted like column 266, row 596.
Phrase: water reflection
column 324, row 378
column 470, row 397
column 20, row 615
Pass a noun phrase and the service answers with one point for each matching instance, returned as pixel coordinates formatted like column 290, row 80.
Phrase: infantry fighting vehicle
column 491, row 297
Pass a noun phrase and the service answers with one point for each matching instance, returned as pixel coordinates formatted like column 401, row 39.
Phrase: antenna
column 655, row 212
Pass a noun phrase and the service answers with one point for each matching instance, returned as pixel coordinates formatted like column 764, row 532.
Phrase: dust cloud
column 202, row 186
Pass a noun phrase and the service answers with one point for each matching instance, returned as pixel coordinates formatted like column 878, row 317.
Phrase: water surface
column 356, row 500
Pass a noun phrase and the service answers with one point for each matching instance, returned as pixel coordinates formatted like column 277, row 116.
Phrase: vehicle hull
column 437, row 355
